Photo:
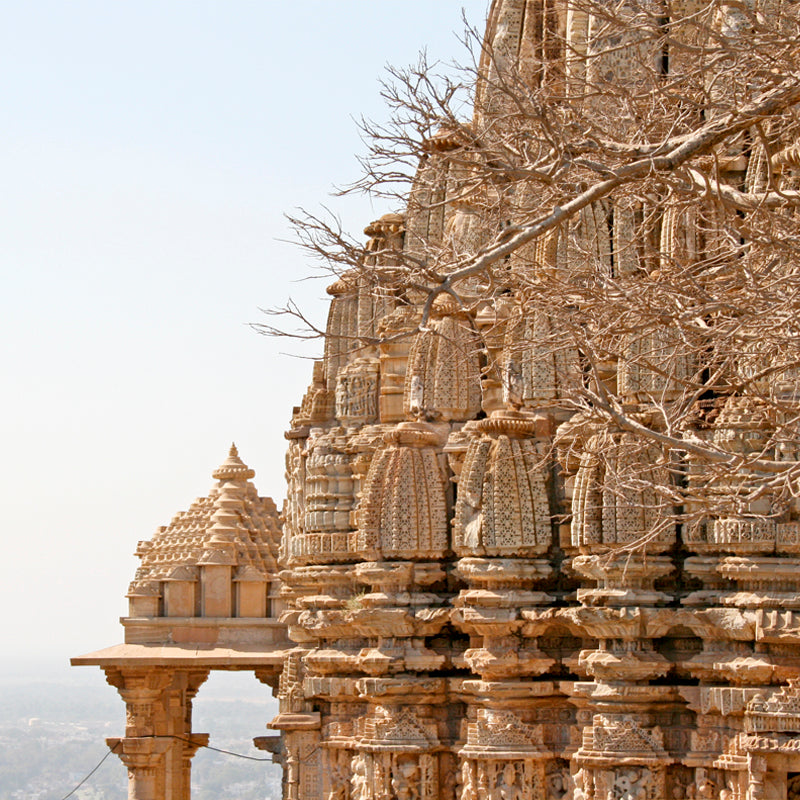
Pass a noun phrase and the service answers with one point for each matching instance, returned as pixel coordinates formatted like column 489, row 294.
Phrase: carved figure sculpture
column 359, row 782
column 405, row 779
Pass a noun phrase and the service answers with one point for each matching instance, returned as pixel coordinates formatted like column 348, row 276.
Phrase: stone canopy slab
column 179, row 655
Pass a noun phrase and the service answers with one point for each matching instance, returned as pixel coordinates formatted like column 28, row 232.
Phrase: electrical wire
column 97, row 767
column 162, row 736
column 207, row 746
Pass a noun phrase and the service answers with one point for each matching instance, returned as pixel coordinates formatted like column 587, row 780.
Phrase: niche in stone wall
column 793, row 786
column 357, row 392
column 564, row 648
column 450, row 643
column 678, row 646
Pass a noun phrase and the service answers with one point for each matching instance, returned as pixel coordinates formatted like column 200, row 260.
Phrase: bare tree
column 623, row 201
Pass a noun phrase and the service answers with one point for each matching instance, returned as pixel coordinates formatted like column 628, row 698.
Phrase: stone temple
column 455, row 603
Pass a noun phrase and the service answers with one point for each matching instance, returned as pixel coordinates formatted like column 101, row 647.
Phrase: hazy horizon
column 151, row 153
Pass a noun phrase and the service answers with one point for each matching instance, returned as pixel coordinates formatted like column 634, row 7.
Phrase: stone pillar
column 179, row 720
column 251, row 592
column 300, row 728
column 140, row 751
column 158, row 743
column 399, row 743
column 756, row 769
column 505, row 753
column 180, row 592
column 144, row 759
column 217, row 590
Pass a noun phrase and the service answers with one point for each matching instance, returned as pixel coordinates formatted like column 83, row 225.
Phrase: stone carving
column 502, row 730
column 404, row 511
column 507, row 786
column 426, row 213
column 608, row 506
column 443, row 376
column 317, row 402
column 357, row 307
column 357, row 392
column 397, row 728
column 328, row 489
column 398, row 775
column 214, row 560
column 558, row 782
column 649, row 357
column 467, row 227
column 538, row 366
column 469, row 790
column 625, row 735
column 490, row 596
column 780, row 712
column 503, row 505
column 337, row 775
column 632, row 784
column 359, row 783
column 406, row 779
column 704, row 787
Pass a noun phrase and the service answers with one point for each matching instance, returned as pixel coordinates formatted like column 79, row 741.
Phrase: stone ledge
column 140, row 655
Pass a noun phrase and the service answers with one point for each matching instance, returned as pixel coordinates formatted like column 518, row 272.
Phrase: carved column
column 756, row 768
column 179, row 720
column 399, row 744
column 505, row 753
column 140, row 751
column 300, row 726
column 144, row 759
column 159, row 744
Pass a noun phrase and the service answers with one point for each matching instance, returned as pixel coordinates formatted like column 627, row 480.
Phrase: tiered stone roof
column 231, row 524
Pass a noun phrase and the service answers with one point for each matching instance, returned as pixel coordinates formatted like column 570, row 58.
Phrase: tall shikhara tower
column 536, row 544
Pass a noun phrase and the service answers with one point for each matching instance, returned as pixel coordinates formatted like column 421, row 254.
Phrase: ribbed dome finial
column 233, row 468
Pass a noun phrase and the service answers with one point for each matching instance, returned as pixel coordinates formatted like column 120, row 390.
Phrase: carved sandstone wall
column 489, row 594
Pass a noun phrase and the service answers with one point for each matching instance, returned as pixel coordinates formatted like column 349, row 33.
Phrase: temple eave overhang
column 181, row 655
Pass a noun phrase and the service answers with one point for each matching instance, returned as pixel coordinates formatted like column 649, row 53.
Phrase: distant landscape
column 52, row 733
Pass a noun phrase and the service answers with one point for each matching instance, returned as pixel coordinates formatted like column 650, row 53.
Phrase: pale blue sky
column 149, row 151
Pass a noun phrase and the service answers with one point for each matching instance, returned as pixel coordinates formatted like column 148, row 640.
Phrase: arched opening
column 234, row 707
